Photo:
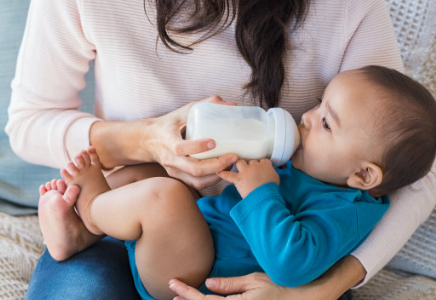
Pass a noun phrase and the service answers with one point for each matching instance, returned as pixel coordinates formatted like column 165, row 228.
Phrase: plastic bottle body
column 248, row 131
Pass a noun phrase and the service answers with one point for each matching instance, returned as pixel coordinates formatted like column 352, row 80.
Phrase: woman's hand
column 256, row 286
column 172, row 151
column 342, row 276
column 160, row 140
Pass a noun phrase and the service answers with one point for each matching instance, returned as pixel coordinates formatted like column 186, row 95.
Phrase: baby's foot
column 63, row 231
column 87, row 174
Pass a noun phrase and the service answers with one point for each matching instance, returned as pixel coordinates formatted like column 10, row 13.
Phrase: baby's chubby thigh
column 176, row 241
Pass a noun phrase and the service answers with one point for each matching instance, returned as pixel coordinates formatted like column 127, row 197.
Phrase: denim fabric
column 346, row 296
column 100, row 272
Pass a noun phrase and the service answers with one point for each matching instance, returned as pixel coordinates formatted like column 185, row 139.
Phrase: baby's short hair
column 406, row 128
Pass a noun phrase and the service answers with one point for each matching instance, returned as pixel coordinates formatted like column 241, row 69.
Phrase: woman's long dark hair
column 262, row 27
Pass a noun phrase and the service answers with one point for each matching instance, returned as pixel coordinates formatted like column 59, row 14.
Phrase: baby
column 373, row 132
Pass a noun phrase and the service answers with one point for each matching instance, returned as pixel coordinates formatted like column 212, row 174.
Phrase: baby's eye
column 325, row 124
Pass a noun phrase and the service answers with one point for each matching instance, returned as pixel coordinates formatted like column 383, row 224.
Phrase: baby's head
column 375, row 130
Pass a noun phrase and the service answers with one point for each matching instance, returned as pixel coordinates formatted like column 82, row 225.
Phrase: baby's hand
column 251, row 175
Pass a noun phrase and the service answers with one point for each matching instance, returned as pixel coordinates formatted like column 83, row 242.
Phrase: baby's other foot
column 62, row 229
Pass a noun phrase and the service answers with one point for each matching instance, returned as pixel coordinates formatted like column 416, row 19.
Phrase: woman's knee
column 99, row 272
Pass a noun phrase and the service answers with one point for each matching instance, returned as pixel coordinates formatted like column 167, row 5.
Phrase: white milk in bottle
column 248, row 131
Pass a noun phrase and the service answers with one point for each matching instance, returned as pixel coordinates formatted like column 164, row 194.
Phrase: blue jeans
column 100, row 272
column 346, row 296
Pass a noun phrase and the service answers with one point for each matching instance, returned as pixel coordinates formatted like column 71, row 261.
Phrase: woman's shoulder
column 336, row 13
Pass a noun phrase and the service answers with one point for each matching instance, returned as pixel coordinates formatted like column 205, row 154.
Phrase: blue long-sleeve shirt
column 295, row 230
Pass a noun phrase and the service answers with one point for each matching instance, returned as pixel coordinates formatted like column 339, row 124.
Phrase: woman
column 265, row 53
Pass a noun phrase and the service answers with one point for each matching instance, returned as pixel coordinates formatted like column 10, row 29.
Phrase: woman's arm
column 371, row 40
column 52, row 63
column 159, row 140
column 410, row 207
column 257, row 286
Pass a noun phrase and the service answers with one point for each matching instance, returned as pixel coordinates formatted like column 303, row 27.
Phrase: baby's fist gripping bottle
column 249, row 131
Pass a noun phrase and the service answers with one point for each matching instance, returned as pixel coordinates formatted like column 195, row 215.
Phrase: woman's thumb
column 227, row 285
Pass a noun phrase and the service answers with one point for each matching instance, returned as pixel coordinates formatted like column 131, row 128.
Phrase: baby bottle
column 249, row 131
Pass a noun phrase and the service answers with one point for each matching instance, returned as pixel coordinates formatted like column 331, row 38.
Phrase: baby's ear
column 369, row 177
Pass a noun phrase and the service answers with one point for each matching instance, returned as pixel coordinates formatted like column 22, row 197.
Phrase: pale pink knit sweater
column 137, row 78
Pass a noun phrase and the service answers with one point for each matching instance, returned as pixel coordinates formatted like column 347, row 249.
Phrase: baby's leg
column 133, row 173
column 173, row 239
column 63, row 231
column 176, row 241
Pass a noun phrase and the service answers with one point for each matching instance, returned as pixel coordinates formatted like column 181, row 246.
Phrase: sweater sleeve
column 296, row 248
column 410, row 207
column 52, row 63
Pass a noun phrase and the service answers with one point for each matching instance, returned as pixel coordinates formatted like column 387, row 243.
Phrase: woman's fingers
column 169, row 149
column 237, row 287
column 197, row 183
column 230, row 285
column 228, row 176
column 218, row 100
column 186, row 292
column 188, row 147
column 254, row 286
column 209, row 166
column 198, row 168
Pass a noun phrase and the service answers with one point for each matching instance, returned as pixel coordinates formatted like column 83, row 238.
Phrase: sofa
column 410, row 275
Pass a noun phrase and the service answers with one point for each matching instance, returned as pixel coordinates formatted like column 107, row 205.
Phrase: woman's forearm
column 159, row 140
column 345, row 274
column 121, row 143
column 410, row 207
column 342, row 276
